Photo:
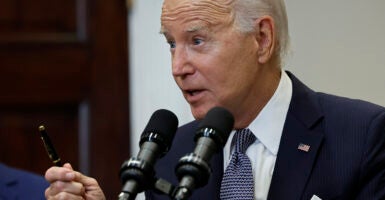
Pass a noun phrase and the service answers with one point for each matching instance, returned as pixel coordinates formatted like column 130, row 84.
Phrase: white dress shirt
column 267, row 128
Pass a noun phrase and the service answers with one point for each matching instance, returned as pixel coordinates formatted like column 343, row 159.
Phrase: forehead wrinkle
column 208, row 11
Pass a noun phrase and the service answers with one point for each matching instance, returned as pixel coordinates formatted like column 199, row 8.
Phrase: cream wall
column 337, row 47
column 151, row 83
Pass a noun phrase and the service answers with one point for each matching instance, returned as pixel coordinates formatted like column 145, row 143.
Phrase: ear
column 265, row 36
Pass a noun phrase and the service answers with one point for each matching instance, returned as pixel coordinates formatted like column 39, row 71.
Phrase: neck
column 268, row 84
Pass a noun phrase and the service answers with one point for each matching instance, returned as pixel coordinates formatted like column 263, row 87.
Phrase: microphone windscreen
column 163, row 123
column 219, row 119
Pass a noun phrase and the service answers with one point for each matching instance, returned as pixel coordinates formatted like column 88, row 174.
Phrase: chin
column 200, row 112
column 197, row 115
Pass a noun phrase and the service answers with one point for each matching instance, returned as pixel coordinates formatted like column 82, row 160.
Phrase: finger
column 59, row 174
column 67, row 187
column 91, row 186
column 85, row 180
column 64, row 195
column 68, row 166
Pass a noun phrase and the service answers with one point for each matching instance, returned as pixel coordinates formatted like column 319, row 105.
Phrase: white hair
column 247, row 11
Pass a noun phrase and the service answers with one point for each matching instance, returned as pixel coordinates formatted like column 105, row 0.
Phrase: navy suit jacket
column 346, row 159
column 17, row 184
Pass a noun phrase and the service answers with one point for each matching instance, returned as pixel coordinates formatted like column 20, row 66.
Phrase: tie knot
column 243, row 139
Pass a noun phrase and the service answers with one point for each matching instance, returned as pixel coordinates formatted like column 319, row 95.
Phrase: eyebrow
column 191, row 29
column 196, row 28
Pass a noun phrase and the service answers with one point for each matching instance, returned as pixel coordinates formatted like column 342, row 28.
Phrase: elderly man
column 301, row 144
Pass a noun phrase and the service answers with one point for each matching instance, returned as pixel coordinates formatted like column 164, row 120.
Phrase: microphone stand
column 193, row 172
column 160, row 185
column 164, row 187
column 136, row 175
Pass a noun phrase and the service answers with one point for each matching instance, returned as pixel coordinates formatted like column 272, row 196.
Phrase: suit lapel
column 301, row 139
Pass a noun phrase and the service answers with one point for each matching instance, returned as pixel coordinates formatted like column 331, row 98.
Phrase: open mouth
column 193, row 92
column 193, row 96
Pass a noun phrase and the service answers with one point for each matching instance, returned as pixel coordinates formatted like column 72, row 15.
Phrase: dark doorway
column 64, row 64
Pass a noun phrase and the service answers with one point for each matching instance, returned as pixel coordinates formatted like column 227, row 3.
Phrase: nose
column 181, row 65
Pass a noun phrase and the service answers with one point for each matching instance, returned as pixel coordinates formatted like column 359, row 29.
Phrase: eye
column 172, row 44
column 197, row 41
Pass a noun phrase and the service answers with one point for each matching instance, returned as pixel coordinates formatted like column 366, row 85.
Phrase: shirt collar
column 268, row 125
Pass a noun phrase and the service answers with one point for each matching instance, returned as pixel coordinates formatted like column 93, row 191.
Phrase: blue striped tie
column 238, row 182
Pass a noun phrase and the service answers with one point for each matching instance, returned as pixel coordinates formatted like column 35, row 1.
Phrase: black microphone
column 193, row 170
column 137, row 173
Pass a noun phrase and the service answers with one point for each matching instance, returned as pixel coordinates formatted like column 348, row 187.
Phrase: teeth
column 192, row 92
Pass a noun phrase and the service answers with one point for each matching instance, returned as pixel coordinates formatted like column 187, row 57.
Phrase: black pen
column 49, row 147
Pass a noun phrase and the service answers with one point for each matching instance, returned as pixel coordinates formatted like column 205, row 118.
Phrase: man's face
column 212, row 63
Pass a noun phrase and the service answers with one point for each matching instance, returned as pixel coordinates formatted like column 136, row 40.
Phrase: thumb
column 68, row 166
column 79, row 177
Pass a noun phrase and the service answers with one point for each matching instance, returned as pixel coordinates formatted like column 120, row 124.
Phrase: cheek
column 223, row 86
column 232, row 83
column 219, row 71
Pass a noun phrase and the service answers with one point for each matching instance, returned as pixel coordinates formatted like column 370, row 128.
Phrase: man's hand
column 65, row 183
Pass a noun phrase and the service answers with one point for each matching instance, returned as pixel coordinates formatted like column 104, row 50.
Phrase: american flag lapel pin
column 304, row 147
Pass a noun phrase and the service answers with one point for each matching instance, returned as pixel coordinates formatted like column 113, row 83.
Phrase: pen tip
column 41, row 128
